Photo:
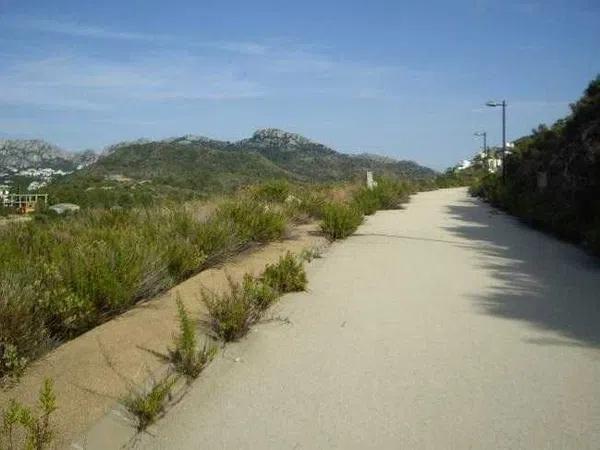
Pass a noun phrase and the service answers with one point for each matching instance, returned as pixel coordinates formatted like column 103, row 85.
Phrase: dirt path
column 441, row 326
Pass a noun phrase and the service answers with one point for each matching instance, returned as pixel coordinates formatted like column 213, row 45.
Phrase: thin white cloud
column 76, row 29
column 246, row 48
column 186, row 70
column 82, row 83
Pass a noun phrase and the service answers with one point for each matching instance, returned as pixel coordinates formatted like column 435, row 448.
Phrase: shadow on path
column 540, row 280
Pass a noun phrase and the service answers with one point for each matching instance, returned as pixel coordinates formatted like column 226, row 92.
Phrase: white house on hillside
column 464, row 164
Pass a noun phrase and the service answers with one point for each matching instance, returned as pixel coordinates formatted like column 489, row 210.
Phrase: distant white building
column 494, row 164
column 464, row 164
column 35, row 185
column 490, row 160
column 3, row 194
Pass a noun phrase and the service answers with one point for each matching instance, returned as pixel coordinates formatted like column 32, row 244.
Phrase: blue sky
column 404, row 79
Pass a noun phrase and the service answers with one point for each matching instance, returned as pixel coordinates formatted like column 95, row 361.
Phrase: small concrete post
column 371, row 183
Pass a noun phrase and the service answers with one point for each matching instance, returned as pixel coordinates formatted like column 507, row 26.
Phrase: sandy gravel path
column 442, row 326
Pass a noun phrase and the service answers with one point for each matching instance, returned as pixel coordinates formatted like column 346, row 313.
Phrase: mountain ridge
column 206, row 164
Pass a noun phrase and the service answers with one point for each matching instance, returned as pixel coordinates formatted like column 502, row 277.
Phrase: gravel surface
column 446, row 325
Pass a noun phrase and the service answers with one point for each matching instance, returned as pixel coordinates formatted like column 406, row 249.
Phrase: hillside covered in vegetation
column 553, row 175
column 191, row 166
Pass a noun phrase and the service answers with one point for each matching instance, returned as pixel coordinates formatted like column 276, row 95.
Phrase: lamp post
column 503, row 104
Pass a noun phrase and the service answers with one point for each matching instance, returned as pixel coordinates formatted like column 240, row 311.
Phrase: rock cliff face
column 273, row 137
column 24, row 154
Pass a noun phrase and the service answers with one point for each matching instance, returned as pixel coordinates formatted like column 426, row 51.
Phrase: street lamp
column 503, row 104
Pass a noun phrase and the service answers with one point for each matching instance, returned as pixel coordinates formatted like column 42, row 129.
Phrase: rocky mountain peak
column 277, row 137
column 38, row 160
column 24, row 153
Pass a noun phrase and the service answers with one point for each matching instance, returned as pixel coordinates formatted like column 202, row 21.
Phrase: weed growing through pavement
column 187, row 356
column 147, row 405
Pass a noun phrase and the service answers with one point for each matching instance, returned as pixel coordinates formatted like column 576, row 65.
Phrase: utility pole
column 485, row 149
column 504, row 141
column 503, row 104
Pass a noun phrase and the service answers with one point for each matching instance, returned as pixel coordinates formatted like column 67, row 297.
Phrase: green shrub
column 367, row 201
column 287, row 275
column 313, row 204
column 272, row 191
column 259, row 293
column 187, row 357
column 340, row 221
column 23, row 334
column 114, row 273
column 392, row 193
column 38, row 432
column 184, row 255
column 231, row 314
column 147, row 405
column 218, row 238
column 388, row 194
column 253, row 221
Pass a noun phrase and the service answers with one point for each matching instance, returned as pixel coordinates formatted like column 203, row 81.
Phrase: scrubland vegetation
column 565, row 155
column 61, row 276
